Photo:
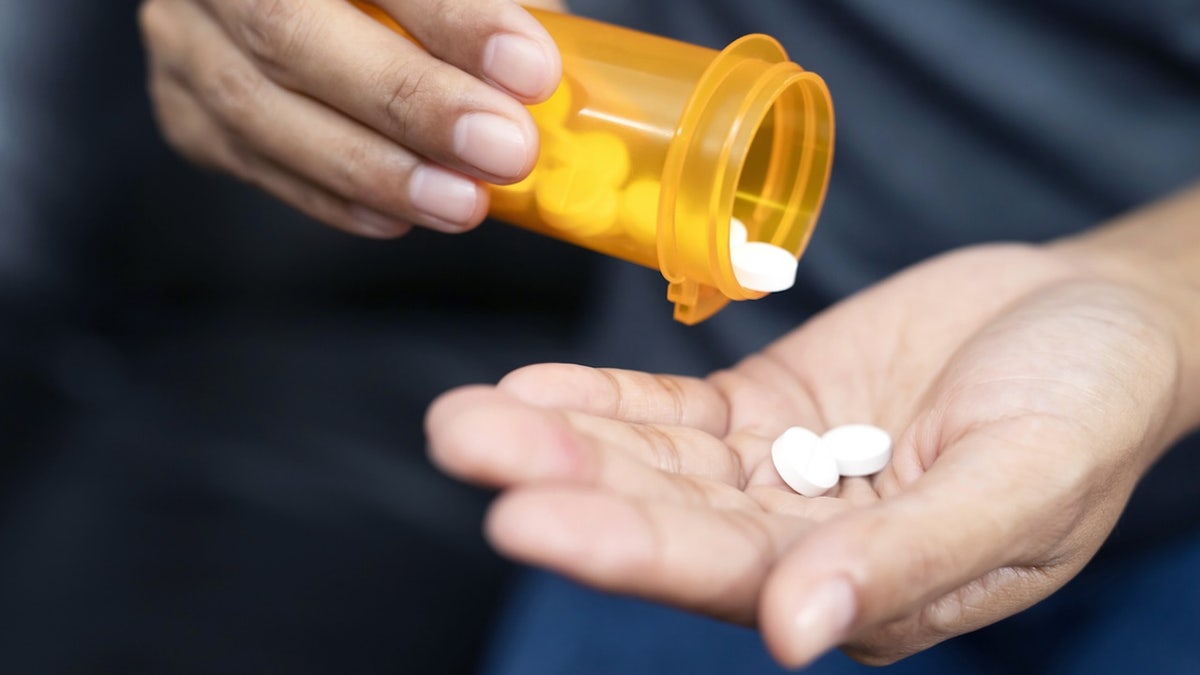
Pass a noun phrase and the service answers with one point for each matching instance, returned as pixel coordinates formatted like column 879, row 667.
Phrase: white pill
column 738, row 234
column 802, row 463
column 760, row 266
column 858, row 449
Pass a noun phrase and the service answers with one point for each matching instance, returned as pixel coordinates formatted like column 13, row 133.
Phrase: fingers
column 372, row 131
column 627, row 395
column 495, row 40
column 192, row 127
column 430, row 102
column 486, row 436
column 707, row 560
column 938, row 560
column 353, row 177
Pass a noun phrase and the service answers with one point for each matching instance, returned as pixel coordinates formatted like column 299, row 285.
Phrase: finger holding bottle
column 371, row 131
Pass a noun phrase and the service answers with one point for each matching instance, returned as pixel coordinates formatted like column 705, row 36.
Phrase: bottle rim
column 749, row 86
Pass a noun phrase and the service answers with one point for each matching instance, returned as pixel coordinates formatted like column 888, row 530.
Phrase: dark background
column 210, row 406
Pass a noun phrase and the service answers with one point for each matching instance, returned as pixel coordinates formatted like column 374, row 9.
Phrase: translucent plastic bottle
column 650, row 146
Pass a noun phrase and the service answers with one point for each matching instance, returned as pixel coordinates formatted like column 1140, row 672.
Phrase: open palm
column 1025, row 397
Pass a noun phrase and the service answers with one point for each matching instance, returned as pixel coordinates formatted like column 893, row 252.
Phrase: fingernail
column 823, row 619
column 375, row 224
column 443, row 196
column 518, row 64
column 491, row 144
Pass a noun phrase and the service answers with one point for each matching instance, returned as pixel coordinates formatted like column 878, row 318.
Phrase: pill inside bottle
column 648, row 146
column 762, row 267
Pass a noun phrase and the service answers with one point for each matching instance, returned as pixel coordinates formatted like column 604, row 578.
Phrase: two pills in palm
column 812, row 464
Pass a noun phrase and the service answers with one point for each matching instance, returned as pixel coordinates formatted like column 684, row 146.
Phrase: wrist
column 1155, row 252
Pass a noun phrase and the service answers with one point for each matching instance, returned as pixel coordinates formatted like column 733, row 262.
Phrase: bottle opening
column 784, row 173
column 755, row 143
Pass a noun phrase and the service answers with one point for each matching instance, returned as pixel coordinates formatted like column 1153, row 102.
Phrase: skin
column 333, row 113
column 1027, row 388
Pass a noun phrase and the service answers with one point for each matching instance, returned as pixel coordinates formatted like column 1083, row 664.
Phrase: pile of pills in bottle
column 811, row 464
column 584, row 185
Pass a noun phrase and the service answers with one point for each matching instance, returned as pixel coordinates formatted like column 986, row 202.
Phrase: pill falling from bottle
column 757, row 265
column 811, row 464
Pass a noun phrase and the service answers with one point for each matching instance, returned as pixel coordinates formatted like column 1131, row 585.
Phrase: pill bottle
column 651, row 146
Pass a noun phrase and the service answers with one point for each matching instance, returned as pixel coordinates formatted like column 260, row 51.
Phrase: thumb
column 908, row 572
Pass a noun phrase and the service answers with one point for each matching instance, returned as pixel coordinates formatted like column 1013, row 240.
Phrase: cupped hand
column 1026, row 397
column 332, row 112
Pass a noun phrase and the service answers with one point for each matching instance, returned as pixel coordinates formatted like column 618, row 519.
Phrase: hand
column 1026, row 396
column 339, row 116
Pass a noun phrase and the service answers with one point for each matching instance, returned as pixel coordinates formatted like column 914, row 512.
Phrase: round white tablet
column 738, row 234
column 760, row 266
column 858, row 449
column 802, row 464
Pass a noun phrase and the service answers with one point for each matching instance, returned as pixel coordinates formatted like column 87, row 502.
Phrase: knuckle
column 180, row 128
column 437, row 12
column 169, row 51
column 403, row 101
column 356, row 171
column 232, row 90
column 273, row 31
column 153, row 21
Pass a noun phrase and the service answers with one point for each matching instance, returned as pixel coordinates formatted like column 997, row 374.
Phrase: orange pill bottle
column 651, row 146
